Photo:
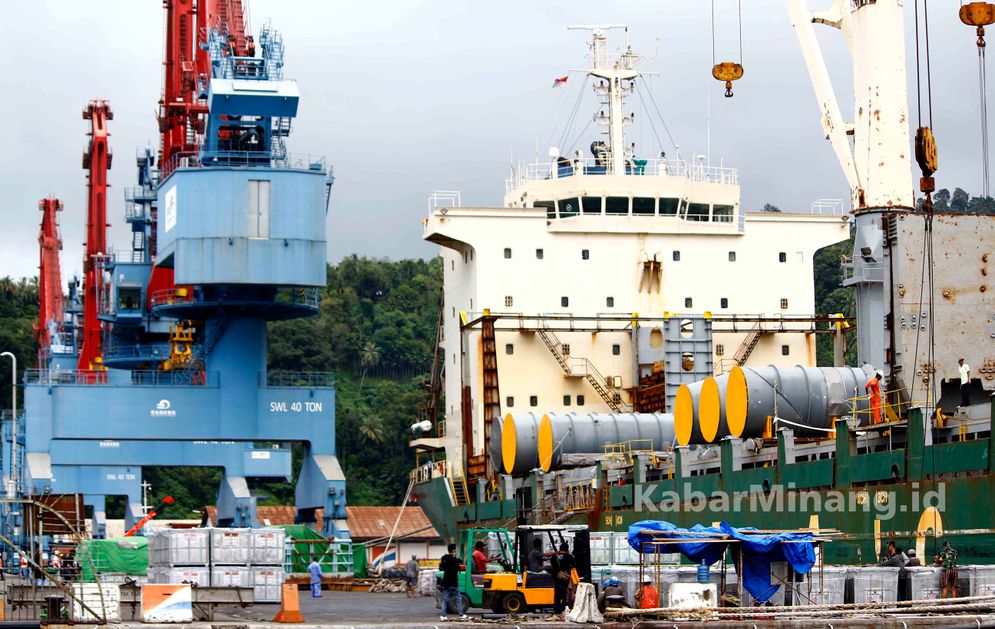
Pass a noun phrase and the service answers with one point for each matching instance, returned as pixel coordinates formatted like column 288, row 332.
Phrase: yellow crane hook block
column 979, row 14
column 727, row 71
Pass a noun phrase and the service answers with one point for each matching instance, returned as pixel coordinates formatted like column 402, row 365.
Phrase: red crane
column 50, row 302
column 187, row 65
column 168, row 500
column 96, row 161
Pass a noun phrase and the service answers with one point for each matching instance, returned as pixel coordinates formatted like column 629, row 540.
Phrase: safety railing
column 137, row 377
column 830, row 207
column 172, row 296
column 444, row 199
column 891, row 407
column 698, row 172
column 245, row 159
column 303, row 379
column 301, row 296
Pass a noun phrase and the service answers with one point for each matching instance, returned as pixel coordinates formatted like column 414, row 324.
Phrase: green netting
column 335, row 558
column 128, row 555
column 359, row 561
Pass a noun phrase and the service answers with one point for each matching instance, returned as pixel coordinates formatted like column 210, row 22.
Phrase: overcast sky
column 409, row 96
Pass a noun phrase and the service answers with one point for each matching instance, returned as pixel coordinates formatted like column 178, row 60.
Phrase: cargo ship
column 620, row 340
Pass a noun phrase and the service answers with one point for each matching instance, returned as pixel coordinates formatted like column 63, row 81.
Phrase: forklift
column 519, row 591
column 471, row 586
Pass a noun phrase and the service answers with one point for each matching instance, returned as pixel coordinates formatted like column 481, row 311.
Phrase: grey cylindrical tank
column 589, row 433
column 519, row 433
column 686, row 419
column 494, row 451
column 802, row 396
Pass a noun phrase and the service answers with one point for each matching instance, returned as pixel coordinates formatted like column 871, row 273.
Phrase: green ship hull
column 914, row 495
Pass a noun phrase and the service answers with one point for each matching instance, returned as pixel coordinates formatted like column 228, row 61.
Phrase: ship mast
column 613, row 89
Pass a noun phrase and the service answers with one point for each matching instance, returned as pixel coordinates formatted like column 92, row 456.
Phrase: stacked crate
column 180, row 556
column 266, row 557
column 231, row 551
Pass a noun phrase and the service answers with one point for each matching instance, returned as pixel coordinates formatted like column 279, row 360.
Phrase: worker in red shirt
column 873, row 388
column 647, row 596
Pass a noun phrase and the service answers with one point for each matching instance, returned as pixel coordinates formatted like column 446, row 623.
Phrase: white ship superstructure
column 594, row 258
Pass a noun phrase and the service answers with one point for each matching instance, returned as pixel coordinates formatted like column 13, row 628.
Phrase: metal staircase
column 458, row 484
column 749, row 344
column 590, row 372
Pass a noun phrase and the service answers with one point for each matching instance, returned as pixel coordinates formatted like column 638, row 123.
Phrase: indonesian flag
column 560, row 81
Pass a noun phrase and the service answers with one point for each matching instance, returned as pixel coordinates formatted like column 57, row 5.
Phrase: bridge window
column 785, row 350
column 687, row 302
column 507, row 253
column 566, row 400
column 724, row 302
column 616, row 350
column 722, row 213
column 580, row 400
column 643, row 206
column 129, row 298
column 610, row 302
column 668, row 207
column 617, row 205
column 591, row 205
column 732, row 256
column 569, row 207
column 585, row 254
column 509, row 348
column 549, row 205
column 539, row 254
column 676, row 256
column 564, row 301
column 258, row 208
column 697, row 212
column 533, row 400
column 782, row 256
column 509, row 401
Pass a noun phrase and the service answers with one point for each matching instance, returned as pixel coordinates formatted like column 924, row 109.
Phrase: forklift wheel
column 513, row 603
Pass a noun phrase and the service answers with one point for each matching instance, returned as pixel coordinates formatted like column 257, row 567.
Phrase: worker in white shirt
column 965, row 383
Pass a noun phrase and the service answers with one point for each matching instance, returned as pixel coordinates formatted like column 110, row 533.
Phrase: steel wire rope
column 559, row 115
column 666, row 129
column 649, row 116
column 573, row 114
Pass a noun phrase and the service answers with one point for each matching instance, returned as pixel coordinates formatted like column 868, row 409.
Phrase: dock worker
column 947, row 559
column 873, row 388
column 314, row 569
column 563, row 566
column 913, row 559
column 611, row 595
column 647, row 596
column 450, row 565
column 965, row 383
column 410, row 576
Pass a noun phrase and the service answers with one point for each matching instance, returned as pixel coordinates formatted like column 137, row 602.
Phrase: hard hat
column 880, row 373
column 647, row 580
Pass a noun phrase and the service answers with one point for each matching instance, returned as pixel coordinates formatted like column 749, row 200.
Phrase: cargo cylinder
column 589, row 433
column 807, row 398
column 494, row 451
column 686, row 404
column 518, row 442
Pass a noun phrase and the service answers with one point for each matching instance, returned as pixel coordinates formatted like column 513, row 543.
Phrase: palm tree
column 369, row 356
column 372, row 428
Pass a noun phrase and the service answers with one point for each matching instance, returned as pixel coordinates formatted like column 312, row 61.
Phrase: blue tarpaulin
column 759, row 550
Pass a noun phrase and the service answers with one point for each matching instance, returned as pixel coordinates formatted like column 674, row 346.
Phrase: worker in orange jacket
column 873, row 388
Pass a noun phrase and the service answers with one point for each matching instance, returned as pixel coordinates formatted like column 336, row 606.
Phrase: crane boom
column 96, row 161
column 50, row 301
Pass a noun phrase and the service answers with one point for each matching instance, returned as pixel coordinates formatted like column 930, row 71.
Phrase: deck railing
column 698, row 172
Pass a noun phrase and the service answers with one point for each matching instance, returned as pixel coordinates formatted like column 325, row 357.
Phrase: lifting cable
column 728, row 71
column 928, row 161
